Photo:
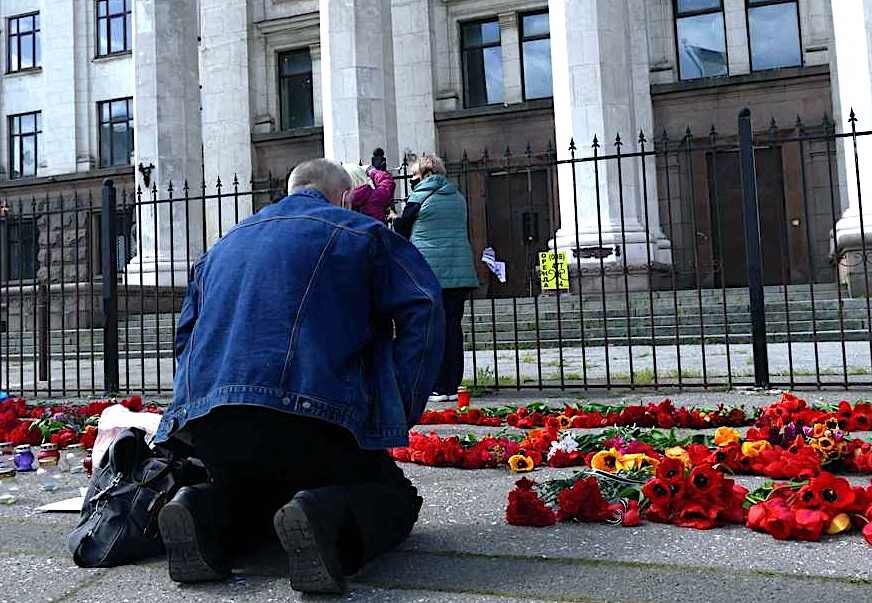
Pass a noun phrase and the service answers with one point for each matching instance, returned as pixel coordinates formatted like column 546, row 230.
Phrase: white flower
column 566, row 444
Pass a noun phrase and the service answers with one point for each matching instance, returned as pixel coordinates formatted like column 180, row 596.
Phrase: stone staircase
column 683, row 317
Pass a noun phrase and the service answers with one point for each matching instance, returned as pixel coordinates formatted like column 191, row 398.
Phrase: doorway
column 519, row 226
column 727, row 218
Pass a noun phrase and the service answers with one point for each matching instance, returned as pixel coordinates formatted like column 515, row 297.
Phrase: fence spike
column 186, row 189
column 853, row 117
column 529, row 150
column 799, row 125
column 154, row 189
column 642, row 139
column 773, row 125
column 170, row 188
column 508, row 153
column 572, row 146
column 484, row 155
column 596, row 143
column 218, row 184
column 618, row 142
column 464, row 157
column 235, row 180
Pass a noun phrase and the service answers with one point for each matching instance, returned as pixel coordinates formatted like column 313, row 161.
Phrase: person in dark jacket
column 308, row 342
column 434, row 220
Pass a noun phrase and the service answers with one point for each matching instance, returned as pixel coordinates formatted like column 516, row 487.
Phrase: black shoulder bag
column 118, row 524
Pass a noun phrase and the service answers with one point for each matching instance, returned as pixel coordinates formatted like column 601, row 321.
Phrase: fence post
column 753, row 257
column 109, row 258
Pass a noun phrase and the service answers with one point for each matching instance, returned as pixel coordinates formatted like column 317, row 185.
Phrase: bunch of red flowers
column 455, row 416
column 582, row 501
column 825, row 504
column 701, row 498
column 435, row 451
column 65, row 424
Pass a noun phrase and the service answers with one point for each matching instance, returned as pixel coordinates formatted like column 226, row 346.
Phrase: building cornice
column 295, row 23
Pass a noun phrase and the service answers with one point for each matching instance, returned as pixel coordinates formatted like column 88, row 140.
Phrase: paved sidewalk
column 462, row 550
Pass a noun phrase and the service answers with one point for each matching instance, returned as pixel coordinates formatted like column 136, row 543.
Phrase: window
column 295, row 90
column 21, row 250
column 116, row 131
column 114, row 27
column 773, row 34
column 482, row 63
column 701, row 38
column 24, row 131
column 22, row 43
column 536, row 55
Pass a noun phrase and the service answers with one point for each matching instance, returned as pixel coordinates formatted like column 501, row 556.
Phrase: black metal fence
column 684, row 260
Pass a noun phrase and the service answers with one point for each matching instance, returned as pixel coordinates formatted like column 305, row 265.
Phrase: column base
column 851, row 236
column 160, row 273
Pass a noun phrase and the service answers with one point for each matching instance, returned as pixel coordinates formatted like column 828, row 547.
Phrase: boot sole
column 309, row 570
column 186, row 560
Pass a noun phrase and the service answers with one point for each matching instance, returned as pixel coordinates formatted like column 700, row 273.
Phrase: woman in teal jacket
column 434, row 220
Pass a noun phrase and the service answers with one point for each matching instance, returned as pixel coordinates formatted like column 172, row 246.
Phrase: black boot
column 308, row 528
column 192, row 525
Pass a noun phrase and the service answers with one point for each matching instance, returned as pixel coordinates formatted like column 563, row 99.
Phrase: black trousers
column 451, row 372
column 259, row 458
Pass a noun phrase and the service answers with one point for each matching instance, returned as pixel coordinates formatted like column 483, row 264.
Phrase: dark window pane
column 103, row 36
column 16, row 158
column 295, row 63
column 13, row 26
column 26, row 52
column 120, row 153
column 774, row 32
column 28, row 123
column 116, row 29
column 686, row 6
column 25, row 24
column 13, row 54
column 118, row 110
column 101, row 8
column 702, row 48
column 116, row 6
column 537, row 69
column 128, row 38
column 28, row 156
column 536, row 25
column 105, row 145
column 484, row 77
column 478, row 34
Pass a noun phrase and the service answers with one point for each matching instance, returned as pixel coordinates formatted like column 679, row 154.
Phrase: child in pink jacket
column 373, row 192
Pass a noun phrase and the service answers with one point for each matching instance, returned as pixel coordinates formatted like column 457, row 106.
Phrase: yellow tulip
column 677, row 452
column 635, row 461
column 752, row 449
column 725, row 436
column 839, row 523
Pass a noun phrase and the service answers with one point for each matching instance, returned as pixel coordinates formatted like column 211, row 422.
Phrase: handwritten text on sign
column 551, row 271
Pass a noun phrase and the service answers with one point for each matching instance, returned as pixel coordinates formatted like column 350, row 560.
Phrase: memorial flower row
column 61, row 424
column 701, row 498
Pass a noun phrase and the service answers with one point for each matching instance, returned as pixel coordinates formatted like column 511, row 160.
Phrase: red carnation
column 631, row 517
column 525, row 508
column 583, row 502
column 64, row 437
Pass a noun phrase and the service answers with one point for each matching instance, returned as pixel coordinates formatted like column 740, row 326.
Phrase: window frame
column 481, row 47
column 100, row 123
column 280, row 78
column 522, row 39
column 128, row 16
column 35, row 30
column 676, row 15
column 12, row 143
column 749, row 7
column 19, row 222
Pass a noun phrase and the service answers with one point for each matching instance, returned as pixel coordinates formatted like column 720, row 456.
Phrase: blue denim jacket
column 316, row 311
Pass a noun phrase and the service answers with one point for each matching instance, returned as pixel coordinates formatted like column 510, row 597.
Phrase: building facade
column 150, row 92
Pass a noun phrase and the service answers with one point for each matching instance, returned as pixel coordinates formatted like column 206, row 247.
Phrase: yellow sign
column 552, row 270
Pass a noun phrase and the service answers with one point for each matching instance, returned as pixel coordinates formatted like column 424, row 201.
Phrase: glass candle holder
column 23, row 458
column 49, row 453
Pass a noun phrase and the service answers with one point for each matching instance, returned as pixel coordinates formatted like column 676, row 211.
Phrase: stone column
column 315, row 55
column 357, row 74
column 227, row 108
column 167, row 136
column 851, row 70
column 513, row 90
column 600, row 66
column 413, row 73
column 57, row 152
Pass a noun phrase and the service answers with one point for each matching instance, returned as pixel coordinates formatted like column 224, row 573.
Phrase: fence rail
column 693, row 261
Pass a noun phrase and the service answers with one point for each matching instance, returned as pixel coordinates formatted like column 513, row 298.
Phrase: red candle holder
column 464, row 397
